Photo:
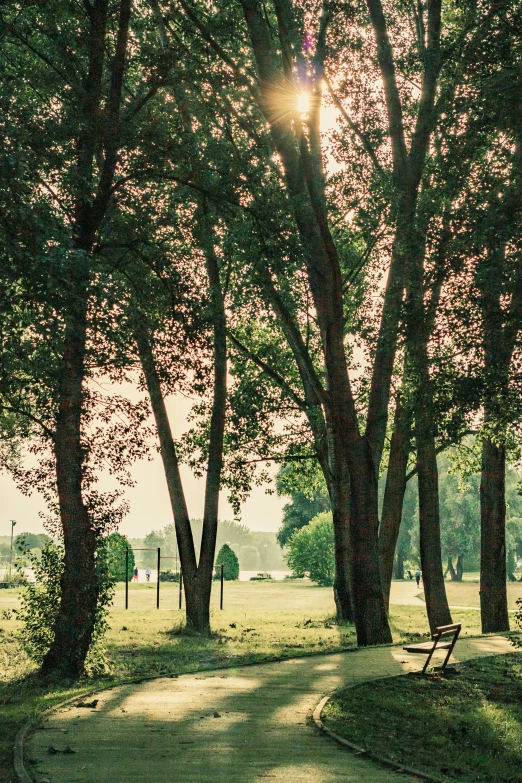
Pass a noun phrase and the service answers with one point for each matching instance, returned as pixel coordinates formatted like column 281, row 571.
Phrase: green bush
column 41, row 603
column 228, row 558
column 169, row 576
column 311, row 550
column 114, row 548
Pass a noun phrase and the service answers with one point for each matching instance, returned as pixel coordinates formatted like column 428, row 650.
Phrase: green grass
column 465, row 726
column 261, row 621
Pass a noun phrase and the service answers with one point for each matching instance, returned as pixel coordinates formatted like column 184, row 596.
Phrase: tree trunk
column 394, row 496
column 187, row 552
column 429, row 522
column 369, row 610
column 200, row 620
column 76, row 620
column 451, row 570
column 399, row 566
column 460, row 568
column 340, row 502
column 75, row 623
column 493, row 592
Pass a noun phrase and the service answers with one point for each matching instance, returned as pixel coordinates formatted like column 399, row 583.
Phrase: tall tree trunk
column 75, row 623
column 493, row 592
column 429, row 522
column 197, row 576
column 200, row 621
column 391, row 515
column 74, row 626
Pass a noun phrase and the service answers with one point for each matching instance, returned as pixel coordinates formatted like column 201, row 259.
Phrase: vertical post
column 127, row 578
column 180, row 587
column 158, row 584
column 221, row 596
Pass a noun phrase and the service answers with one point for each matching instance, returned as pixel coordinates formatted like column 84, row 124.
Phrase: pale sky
column 149, row 500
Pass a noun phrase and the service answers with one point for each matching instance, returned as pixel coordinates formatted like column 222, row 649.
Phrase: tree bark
column 429, row 522
column 450, row 569
column 74, row 626
column 169, row 458
column 399, row 566
column 493, row 591
column 200, row 620
column 75, row 623
column 460, row 568
column 304, row 184
column 197, row 576
column 391, row 515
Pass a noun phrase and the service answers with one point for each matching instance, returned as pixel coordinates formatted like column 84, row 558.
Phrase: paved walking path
column 243, row 725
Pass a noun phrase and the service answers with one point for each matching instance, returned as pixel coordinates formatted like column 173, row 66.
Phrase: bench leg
column 450, row 650
column 428, row 659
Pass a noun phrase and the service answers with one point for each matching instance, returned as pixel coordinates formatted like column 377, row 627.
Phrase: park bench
column 428, row 648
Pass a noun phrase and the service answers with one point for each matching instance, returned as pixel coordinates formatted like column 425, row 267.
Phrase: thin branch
column 32, row 417
column 269, row 371
column 282, row 458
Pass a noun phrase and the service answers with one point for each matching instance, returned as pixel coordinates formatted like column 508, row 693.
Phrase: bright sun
column 303, row 103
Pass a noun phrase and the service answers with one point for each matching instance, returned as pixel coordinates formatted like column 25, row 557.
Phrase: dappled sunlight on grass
column 465, row 726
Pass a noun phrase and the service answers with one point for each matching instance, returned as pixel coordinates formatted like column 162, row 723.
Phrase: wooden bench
column 428, row 648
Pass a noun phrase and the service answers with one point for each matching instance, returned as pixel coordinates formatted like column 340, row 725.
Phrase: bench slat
column 427, row 647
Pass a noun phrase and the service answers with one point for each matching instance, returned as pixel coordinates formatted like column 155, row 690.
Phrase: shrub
column 114, row 548
column 169, row 576
column 228, row 558
column 41, row 602
column 311, row 550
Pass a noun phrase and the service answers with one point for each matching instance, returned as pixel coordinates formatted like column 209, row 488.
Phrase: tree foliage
column 311, row 550
column 228, row 558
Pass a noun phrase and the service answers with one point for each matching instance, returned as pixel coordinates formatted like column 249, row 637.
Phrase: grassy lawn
column 260, row 621
column 465, row 726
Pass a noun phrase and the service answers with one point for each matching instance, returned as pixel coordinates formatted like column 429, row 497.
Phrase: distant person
column 135, row 574
column 418, row 575
column 147, row 574
column 410, row 575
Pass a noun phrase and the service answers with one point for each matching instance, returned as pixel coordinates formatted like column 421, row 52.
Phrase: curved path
column 243, row 725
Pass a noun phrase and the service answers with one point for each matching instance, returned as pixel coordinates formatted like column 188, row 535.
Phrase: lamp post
column 13, row 523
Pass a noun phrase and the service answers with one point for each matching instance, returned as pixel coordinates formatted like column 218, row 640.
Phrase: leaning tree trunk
column 74, row 626
column 493, row 591
column 391, row 515
column 187, row 552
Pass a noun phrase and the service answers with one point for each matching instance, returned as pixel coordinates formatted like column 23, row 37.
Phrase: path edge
column 369, row 754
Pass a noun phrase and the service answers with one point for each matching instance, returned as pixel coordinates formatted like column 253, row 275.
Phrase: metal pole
column 127, row 578
column 180, row 587
column 13, row 523
column 158, row 585
column 221, row 597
